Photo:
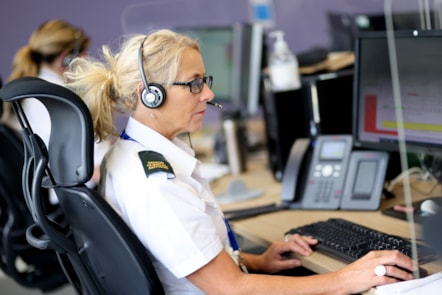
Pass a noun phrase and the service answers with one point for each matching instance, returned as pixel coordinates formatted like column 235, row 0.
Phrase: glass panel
column 409, row 110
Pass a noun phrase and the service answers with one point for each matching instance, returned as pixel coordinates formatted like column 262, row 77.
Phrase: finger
column 290, row 263
column 385, row 280
column 395, row 257
column 398, row 273
column 309, row 239
column 299, row 241
column 300, row 246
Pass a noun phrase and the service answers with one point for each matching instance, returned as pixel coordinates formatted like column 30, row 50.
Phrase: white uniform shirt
column 177, row 219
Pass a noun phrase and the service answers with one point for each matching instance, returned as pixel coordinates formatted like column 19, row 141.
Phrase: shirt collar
column 177, row 153
column 51, row 76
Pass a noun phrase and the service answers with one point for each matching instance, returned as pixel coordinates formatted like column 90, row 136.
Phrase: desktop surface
column 267, row 228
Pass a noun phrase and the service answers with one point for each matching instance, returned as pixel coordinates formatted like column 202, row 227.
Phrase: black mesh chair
column 105, row 255
column 26, row 265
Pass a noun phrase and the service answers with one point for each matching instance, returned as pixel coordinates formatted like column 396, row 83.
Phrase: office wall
column 304, row 21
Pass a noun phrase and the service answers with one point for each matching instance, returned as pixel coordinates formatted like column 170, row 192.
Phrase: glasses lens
column 209, row 81
column 196, row 85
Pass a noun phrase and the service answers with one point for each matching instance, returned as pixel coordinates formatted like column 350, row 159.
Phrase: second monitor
column 234, row 55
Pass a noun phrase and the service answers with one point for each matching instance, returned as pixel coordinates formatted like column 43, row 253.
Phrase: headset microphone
column 215, row 104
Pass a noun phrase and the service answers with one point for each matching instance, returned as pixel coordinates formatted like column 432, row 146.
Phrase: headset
column 77, row 49
column 153, row 95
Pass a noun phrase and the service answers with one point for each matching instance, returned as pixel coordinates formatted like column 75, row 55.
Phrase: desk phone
column 327, row 174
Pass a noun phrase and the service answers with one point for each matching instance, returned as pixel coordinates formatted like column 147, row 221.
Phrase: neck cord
column 235, row 246
column 190, row 140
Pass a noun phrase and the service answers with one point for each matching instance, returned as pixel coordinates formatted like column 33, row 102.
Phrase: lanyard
column 235, row 246
column 126, row 136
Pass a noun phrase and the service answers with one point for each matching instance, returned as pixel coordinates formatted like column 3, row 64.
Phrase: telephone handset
column 316, row 175
column 293, row 181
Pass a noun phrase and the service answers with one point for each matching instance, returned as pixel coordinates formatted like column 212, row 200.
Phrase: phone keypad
column 325, row 175
column 324, row 190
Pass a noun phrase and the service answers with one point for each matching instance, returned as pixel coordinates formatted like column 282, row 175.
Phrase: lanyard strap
column 235, row 246
column 126, row 136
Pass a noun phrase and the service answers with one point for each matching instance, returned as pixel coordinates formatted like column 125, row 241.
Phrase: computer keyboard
column 349, row 241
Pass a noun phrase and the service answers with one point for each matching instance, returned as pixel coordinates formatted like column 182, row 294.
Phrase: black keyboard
column 349, row 241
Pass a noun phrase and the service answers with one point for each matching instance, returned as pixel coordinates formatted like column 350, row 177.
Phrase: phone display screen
column 332, row 150
column 365, row 178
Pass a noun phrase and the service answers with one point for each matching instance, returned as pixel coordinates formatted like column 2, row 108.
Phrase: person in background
column 50, row 50
column 153, row 179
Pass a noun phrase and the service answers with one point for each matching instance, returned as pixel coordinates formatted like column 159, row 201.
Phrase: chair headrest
column 71, row 141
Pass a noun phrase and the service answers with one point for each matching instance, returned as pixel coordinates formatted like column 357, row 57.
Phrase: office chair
column 105, row 255
column 39, row 268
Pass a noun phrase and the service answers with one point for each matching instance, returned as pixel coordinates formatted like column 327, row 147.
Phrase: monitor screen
column 216, row 45
column 419, row 69
column 233, row 55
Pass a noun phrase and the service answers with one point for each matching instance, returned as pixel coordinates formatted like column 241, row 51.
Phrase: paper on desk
column 431, row 284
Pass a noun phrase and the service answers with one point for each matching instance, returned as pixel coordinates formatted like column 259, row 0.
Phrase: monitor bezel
column 391, row 146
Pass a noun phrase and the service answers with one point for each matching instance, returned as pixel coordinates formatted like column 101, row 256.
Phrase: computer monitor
column 233, row 55
column 344, row 27
column 419, row 68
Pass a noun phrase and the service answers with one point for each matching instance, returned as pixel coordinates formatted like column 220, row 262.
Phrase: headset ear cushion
column 155, row 97
column 68, row 59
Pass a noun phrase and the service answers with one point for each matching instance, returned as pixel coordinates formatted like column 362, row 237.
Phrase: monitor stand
column 238, row 191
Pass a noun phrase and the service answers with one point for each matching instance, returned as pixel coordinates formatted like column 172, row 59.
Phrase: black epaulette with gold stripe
column 154, row 162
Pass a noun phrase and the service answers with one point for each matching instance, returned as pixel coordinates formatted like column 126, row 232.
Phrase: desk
column 266, row 228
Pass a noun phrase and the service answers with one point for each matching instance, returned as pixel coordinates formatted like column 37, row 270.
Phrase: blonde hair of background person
column 47, row 47
column 52, row 40
column 177, row 218
column 50, row 49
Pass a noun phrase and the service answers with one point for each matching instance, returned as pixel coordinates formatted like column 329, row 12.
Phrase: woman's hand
column 276, row 258
column 360, row 275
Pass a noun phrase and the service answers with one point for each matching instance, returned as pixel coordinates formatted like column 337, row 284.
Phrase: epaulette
column 154, row 162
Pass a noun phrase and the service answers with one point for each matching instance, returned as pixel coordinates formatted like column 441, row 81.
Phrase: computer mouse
column 429, row 207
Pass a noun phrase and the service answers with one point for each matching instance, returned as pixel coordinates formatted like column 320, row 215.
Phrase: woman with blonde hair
column 50, row 50
column 51, row 47
column 152, row 178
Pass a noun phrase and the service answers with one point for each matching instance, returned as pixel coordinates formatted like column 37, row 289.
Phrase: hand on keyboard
column 357, row 277
column 349, row 241
column 275, row 258
column 366, row 249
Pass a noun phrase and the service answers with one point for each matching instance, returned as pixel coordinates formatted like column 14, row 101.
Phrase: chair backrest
column 105, row 254
column 40, row 268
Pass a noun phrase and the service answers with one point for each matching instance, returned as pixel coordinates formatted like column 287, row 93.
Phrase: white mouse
column 429, row 207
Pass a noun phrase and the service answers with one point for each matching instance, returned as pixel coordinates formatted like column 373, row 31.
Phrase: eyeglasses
column 196, row 86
